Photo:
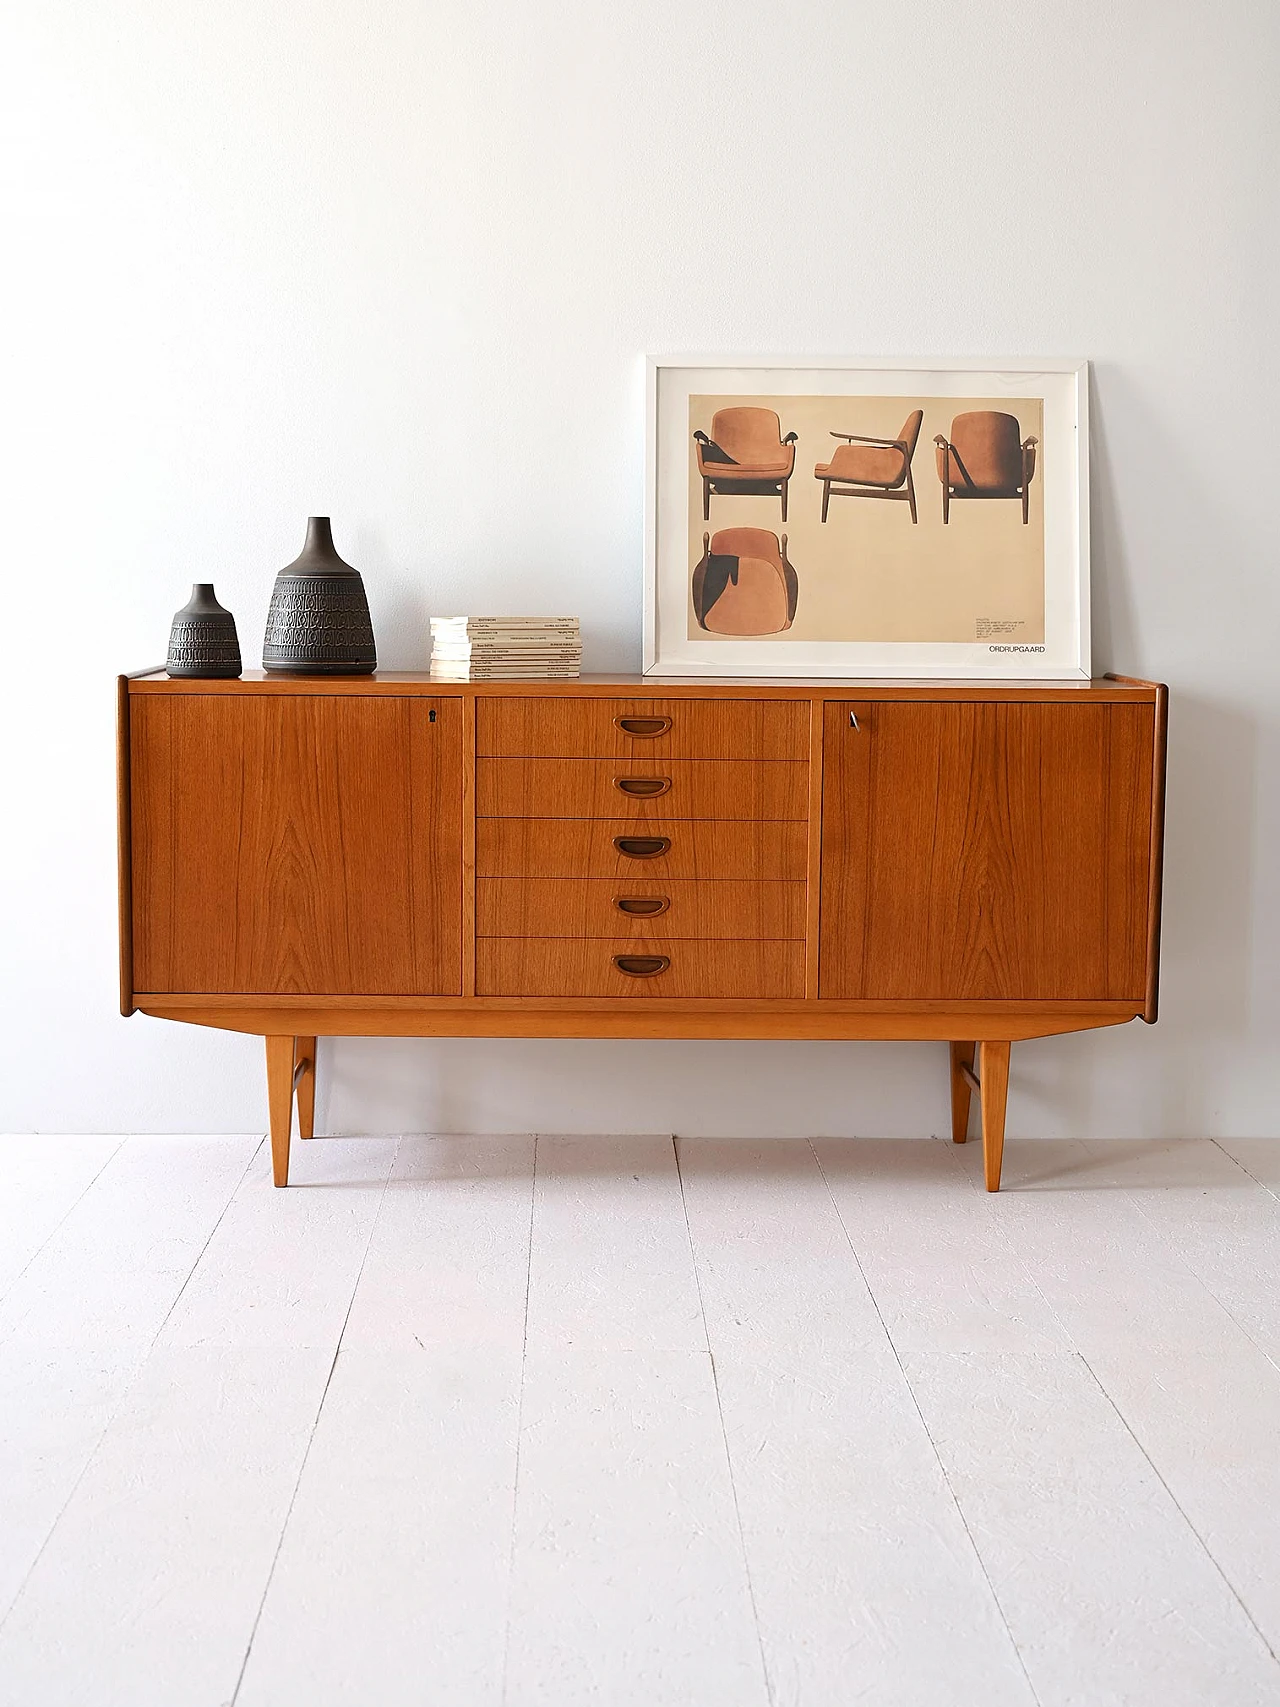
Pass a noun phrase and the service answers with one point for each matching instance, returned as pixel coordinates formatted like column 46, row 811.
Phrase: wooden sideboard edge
column 124, row 848
column 711, row 1020
column 469, row 802
column 1133, row 681
column 1155, row 886
column 1155, row 894
column 416, row 684
column 333, row 1003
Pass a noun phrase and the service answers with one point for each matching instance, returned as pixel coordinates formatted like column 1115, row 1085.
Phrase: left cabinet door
column 296, row 844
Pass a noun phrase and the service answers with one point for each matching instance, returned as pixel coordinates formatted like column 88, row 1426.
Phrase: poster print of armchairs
column 984, row 457
column 743, row 584
column 746, row 456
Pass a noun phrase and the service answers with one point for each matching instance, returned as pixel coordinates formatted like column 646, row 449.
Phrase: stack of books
column 489, row 648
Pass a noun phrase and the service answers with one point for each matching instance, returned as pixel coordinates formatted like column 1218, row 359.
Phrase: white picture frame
column 675, row 643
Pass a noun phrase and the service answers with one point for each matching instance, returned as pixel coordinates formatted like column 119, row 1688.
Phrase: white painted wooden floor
column 716, row 1423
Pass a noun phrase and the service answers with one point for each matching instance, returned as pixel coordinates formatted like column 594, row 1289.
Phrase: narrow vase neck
column 319, row 554
column 319, row 537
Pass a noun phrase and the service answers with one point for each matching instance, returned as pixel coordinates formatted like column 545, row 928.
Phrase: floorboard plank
column 866, row 1584
column 448, row 1265
column 1216, row 1218
column 111, row 1272
column 1209, row 1422
column 1108, row 1592
column 281, row 1269
column 43, row 1179
column 628, row 1584
column 77, row 1324
column 391, row 1586
column 1111, row 1277
column 934, row 1252
column 611, row 1266
column 146, row 1593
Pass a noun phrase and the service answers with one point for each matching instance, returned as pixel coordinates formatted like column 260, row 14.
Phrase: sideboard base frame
column 290, row 1033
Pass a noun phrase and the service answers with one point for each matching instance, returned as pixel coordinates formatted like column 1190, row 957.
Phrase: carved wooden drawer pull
column 642, row 787
column 646, row 726
column 642, row 906
column 641, row 965
column 642, row 847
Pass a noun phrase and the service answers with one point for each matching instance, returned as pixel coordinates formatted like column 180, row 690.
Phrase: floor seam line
column 1247, row 1172
column 57, row 1227
column 1195, row 1274
column 933, row 1445
column 128, row 1386
column 1177, row 1505
column 1011, row 1246
column 515, row 1479
column 724, row 1432
column 315, row 1425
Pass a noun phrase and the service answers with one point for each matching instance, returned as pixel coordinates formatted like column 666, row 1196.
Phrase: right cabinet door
column 985, row 851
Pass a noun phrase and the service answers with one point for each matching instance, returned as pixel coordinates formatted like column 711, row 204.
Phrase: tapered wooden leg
column 784, row 500
column 304, row 1057
column 826, row 497
column 911, row 494
column 993, row 1076
column 961, row 1057
column 706, row 500
column 280, row 1103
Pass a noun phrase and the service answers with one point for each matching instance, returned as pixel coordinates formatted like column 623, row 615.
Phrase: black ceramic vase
column 318, row 623
column 203, row 639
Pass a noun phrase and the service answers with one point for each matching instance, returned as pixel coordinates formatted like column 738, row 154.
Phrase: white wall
column 353, row 256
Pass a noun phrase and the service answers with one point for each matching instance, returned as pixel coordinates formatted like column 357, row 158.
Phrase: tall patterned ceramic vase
column 318, row 623
column 202, row 641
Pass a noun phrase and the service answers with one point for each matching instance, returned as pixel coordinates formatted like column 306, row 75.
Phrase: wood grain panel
column 584, row 966
column 725, row 728
column 984, row 851
column 589, row 907
column 588, row 788
column 301, row 844
column 578, row 847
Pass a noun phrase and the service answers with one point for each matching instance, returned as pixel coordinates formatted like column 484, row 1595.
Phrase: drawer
column 659, row 967
column 618, row 847
column 634, row 907
column 641, row 789
column 546, row 728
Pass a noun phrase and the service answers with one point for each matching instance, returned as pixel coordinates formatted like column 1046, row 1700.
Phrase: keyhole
column 431, row 717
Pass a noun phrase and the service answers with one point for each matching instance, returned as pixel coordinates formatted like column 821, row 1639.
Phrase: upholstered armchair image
column 747, row 455
column 743, row 584
column 984, row 458
column 872, row 468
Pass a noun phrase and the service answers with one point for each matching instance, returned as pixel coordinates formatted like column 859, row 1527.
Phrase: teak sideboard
column 623, row 857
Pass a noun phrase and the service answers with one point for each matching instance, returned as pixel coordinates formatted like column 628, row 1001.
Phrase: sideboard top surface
column 417, row 683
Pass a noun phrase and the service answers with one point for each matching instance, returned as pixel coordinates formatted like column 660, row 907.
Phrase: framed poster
column 825, row 516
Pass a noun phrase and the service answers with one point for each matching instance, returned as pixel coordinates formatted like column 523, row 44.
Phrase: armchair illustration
column 872, row 468
column 984, row 458
column 746, row 454
column 743, row 584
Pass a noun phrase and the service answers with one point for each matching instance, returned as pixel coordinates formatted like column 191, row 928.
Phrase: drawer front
column 619, row 848
column 651, row 968
column 636, row 907
column 641, row 789
column 546, row 728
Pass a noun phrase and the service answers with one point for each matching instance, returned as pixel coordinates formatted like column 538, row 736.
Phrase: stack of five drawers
column 641, row 847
